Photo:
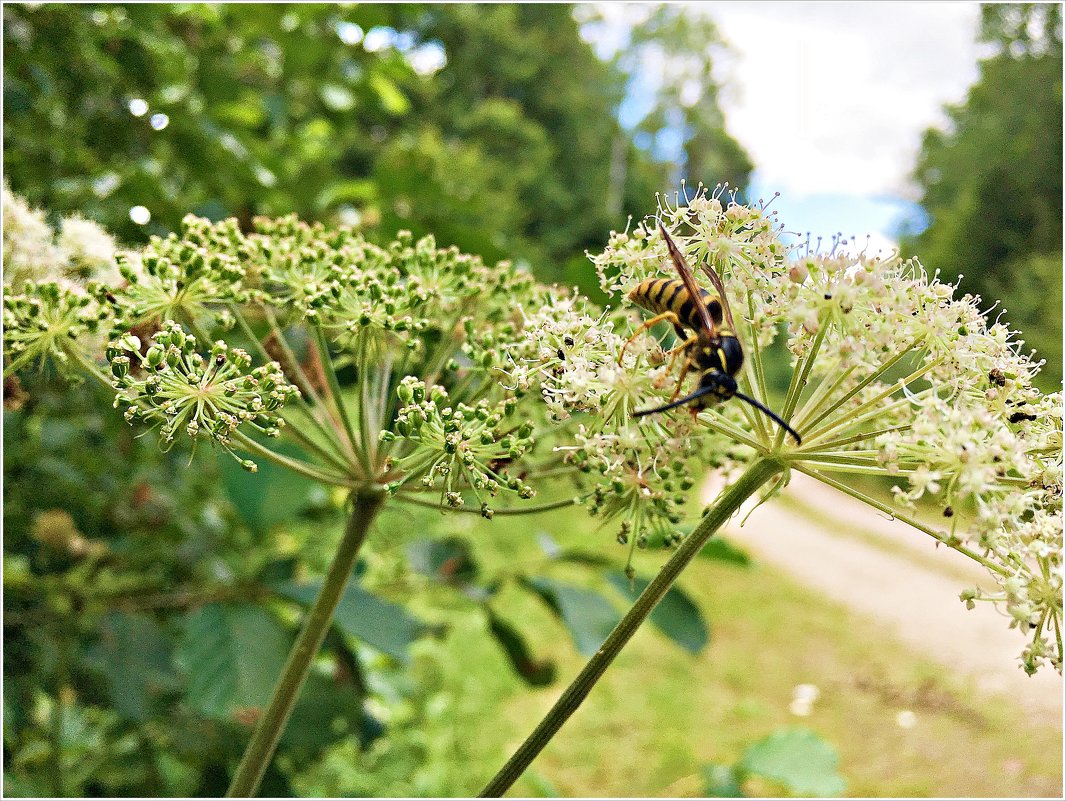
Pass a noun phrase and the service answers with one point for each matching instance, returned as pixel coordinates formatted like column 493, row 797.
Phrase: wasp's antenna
column 699, row 393
column 769, row 414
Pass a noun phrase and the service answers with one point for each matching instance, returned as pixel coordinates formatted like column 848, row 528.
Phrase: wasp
column 713, row 351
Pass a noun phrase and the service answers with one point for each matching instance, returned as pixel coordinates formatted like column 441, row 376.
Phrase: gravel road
column 893, row 574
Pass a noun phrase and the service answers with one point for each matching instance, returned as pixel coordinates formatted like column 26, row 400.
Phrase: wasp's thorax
column 722, row 353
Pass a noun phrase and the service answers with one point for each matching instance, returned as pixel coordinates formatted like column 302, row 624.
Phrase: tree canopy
column 992, row 182
column 463, row 121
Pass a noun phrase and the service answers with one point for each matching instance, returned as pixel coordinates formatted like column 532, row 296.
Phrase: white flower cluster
column 33, row 251
column 571, row 352
column 892, row 376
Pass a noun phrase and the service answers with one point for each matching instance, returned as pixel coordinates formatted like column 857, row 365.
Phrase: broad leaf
column 270, row 495
column 725, row 551
column 325, row 712
column 233, row 654
column 588, row 616
column 537, row 673
column 576, row 557
column 675, row 615
column 135, row 657
column 448, row 560
column 722, row 782
column 381, row 624
column 799, row 760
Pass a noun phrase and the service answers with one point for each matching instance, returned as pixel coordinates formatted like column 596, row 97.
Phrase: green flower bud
column 154, row 357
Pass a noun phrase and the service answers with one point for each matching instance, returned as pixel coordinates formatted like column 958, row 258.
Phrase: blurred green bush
column 494, row 127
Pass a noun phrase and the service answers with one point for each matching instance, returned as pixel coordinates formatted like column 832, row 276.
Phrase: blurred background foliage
column 148, row 605
column 494, row 127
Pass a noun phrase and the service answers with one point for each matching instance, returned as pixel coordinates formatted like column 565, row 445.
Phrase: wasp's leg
column 668, row 316
column 681, row 378
column 673, row 353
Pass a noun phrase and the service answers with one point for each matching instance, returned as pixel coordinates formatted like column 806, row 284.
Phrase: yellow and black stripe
column 659, row 295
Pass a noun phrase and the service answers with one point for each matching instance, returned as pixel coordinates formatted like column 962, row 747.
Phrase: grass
column 661, row 713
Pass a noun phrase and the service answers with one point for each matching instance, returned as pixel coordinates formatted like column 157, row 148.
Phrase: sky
column 830, row 100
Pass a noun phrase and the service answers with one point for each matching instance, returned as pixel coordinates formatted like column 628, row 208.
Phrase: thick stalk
column 761, row 471
column 365, row 505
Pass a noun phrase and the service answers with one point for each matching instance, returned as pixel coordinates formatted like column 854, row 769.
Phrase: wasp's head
column 717, row 386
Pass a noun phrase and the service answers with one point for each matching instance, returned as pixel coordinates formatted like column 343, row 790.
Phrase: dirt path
column 892, row 573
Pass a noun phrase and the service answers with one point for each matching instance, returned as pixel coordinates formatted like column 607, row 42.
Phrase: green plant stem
column 358, row 447
column 92, row 369
column 366, row 502
column 292, row 365
column 760, row 471
column 306, row 392
column 898, row 515
column 288, row 462
column 799, row 381
column 513, row 510
column 714, row 421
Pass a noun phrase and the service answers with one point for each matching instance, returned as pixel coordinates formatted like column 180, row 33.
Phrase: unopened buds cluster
column 172, row 386
column 643, row 483
column 48, row 321
column 182, row 275
column 448, row 448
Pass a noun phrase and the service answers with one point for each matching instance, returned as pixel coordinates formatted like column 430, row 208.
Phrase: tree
column 686, row 49
column 492, row 126
column 992, row 183
column 218, row 110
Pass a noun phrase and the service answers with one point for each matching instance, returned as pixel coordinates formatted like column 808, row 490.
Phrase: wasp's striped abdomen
column 659, row 295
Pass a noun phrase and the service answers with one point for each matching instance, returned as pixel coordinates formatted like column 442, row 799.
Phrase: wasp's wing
column 689, row 280
column 718, row 285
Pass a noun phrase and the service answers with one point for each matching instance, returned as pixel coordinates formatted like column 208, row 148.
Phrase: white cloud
column 834, row 97
column 830, row 99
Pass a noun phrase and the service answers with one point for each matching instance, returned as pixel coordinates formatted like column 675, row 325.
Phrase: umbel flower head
column 51, row 311
column 380, row 363
column 49, row 322
column 893, row 376
column 456, row 384
column 178, row 389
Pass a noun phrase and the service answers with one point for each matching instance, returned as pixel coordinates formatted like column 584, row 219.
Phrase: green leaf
column 381, row 624
column 135, row 657
column 325, row 713
column 798, row 759
column 537, row 673
column 576, row 557
column 675, row 615
column 357, row 191
column 233, row 655
column 725, row 551
column 392, row 99
column 722, row 782
column 588, row 616
column 269, row 496
column 447, row 560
